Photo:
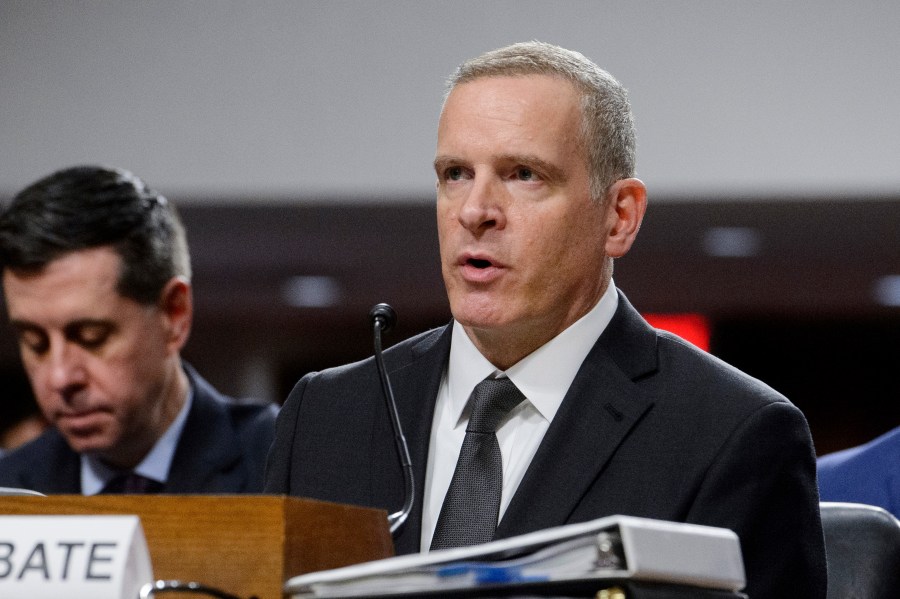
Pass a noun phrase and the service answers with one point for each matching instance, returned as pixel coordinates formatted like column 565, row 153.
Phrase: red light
column 693, row 328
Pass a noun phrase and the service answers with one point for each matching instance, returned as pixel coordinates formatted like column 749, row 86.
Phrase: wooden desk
column 247, row 545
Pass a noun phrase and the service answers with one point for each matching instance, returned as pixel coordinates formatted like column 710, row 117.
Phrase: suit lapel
column 601, row 407
column 416, row 384
column 208, row 449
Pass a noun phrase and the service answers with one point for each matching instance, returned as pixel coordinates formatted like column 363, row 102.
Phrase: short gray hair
column 607, row 124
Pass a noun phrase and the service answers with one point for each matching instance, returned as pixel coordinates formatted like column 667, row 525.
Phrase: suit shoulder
column 671, row 369
column 690, row 366
column 251, row 421
column 45, row 445
column 243, row 412
column 350, row 383
column 251, row 413
column 879, row 452
column 713, row 398
column 864, row 474
column 396, row 357
column 46, row 452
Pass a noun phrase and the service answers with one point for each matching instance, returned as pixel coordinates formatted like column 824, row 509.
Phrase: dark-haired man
column 96, row 277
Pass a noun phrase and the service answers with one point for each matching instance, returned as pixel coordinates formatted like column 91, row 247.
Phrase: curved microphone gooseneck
column 383, row 318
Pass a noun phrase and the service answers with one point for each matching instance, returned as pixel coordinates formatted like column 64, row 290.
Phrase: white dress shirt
column 156, row 465
column 543, row 377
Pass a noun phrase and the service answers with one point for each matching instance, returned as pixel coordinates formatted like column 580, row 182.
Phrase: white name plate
column 78, row 557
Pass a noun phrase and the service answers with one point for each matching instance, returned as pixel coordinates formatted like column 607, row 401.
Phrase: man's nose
column 484, row 205
column 66, row 368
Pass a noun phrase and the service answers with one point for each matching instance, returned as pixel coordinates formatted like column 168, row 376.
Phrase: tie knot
column 131, row 483
column 492, row 399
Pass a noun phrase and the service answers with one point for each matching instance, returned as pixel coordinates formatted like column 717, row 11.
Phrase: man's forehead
column 79, row 284
column 551, row 79
column 514, row 116
column 101, row 262
column 513, row 85
column 509, row 95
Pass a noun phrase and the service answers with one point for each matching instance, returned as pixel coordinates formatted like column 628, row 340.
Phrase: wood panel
column 245, row 545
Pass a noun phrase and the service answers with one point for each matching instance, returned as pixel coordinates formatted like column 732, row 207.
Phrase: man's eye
column 455, row 173
column 92, row 337
column 525, row 174
column 35, row 341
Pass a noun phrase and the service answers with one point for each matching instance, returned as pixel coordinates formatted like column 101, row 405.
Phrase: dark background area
column 799, row 313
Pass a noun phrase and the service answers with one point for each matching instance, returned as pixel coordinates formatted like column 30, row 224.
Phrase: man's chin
column 482, row 313
column 93, row 444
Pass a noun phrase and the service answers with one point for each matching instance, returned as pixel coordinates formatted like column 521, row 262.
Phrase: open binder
column 564, row 558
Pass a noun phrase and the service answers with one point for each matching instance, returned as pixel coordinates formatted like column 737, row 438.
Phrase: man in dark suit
column 536, row 196
column 96, row 277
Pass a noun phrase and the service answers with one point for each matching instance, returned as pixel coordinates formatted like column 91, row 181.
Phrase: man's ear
column 177, row 306
column 626, row 203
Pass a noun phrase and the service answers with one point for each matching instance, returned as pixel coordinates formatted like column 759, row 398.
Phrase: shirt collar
column 562, row 356
column 156, row 465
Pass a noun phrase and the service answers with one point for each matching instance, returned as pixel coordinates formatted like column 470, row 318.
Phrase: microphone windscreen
column 384, row 314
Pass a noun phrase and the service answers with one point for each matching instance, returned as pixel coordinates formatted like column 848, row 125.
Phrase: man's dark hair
column 87, row 207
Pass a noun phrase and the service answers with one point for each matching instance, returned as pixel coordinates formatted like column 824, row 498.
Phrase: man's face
column 522, row 241
column 100, row 364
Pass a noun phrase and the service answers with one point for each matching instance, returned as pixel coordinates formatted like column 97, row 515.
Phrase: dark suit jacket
column 222, row 449
column 651, row 426
column 869, row 473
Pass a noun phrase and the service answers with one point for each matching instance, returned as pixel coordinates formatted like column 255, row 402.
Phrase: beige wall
column 299, row 98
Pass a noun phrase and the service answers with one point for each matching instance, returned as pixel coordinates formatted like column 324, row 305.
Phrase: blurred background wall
column 297, row 137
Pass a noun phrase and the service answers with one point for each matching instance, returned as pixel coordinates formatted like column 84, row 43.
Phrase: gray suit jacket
column 651, row 426
column 222, row 449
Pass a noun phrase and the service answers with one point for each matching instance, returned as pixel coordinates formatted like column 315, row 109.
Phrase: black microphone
column 383, row 318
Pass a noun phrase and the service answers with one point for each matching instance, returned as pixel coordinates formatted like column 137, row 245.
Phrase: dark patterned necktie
column 131, row 483
column 469, row 514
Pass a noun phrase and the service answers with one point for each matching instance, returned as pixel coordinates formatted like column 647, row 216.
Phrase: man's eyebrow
column 550, row 170
column 87, row 322
column 23, row 325
column 442, row 162
column 69, row 328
